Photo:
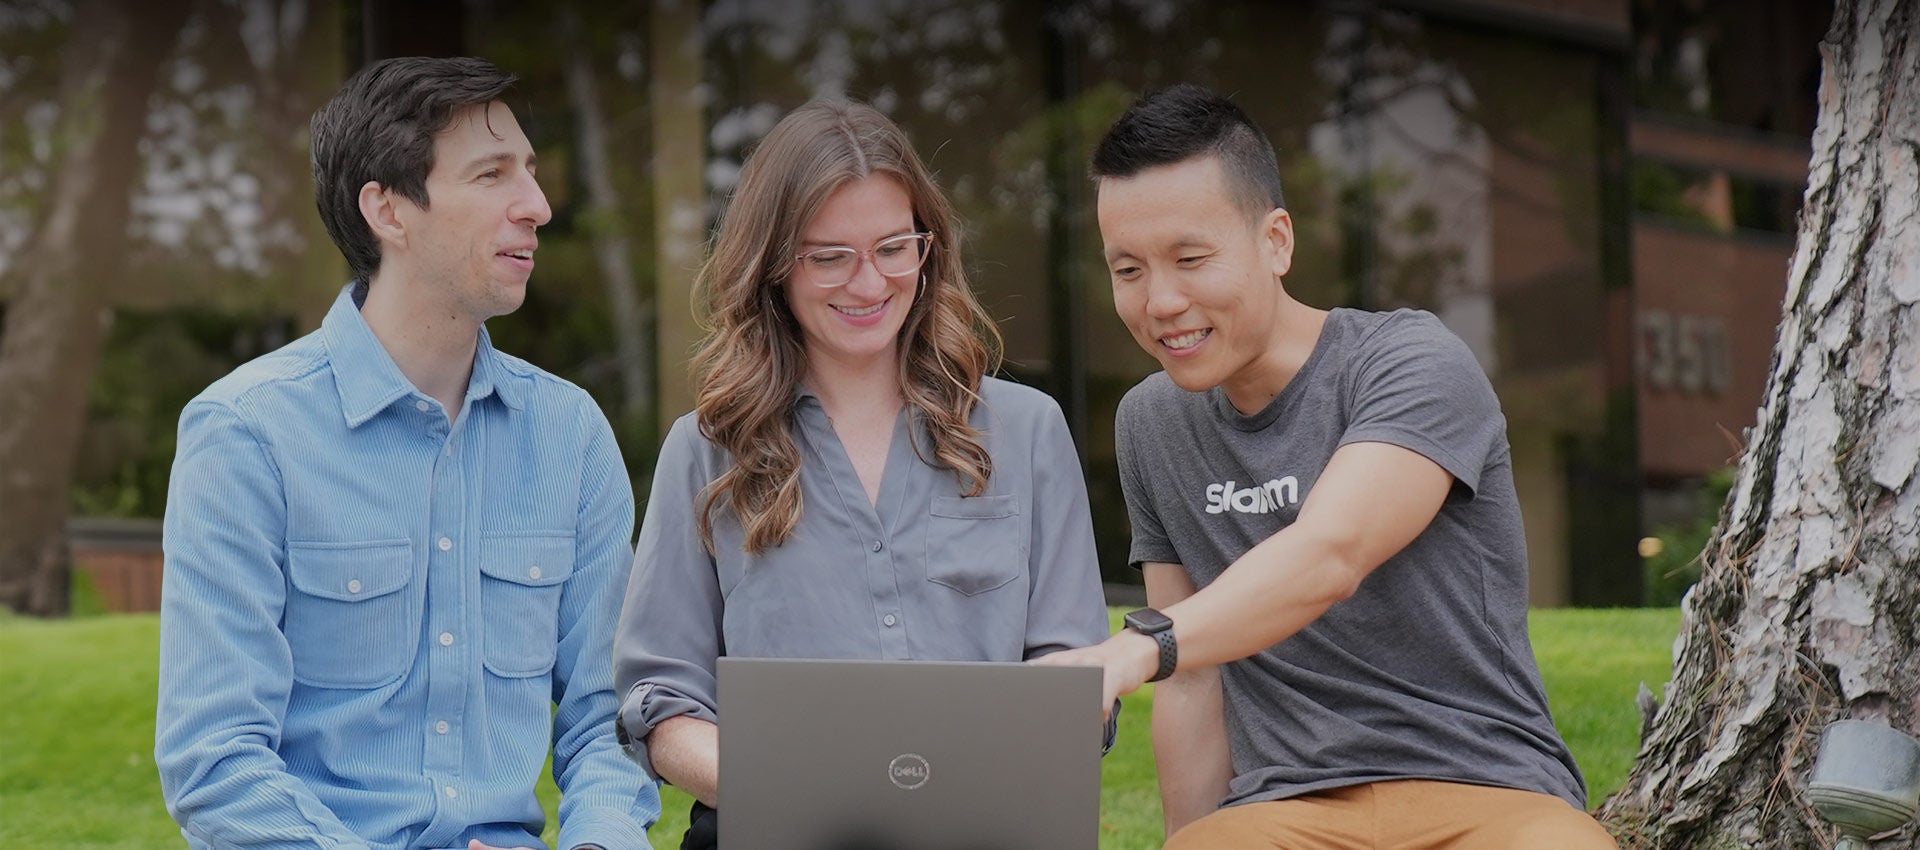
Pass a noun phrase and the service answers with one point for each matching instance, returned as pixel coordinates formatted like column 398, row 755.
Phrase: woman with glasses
column 851, row 483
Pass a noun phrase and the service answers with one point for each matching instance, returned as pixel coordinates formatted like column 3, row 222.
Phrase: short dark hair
column 1185, row 121
column 380, row 127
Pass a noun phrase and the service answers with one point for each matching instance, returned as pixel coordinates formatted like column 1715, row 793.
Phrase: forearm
column 686, row 752
column 222, row 780
column 1190, row 746
column 226, row 787
column 1273, row 591
column 605, row 799
column 225, row 666
column 252, row 806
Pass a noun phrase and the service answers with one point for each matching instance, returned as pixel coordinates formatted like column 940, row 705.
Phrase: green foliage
column 153, row 364
column 76, row 767
column 1662, row 189
column 84, row 596
column 1677, row 565
column 1593, row 662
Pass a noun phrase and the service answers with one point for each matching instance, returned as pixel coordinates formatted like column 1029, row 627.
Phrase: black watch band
column 1158, row 626
column 1169, row 655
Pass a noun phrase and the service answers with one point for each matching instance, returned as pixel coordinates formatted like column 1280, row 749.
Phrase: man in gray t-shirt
column 1323, row 509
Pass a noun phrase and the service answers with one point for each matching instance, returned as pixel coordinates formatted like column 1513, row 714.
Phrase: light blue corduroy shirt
column 370, row 613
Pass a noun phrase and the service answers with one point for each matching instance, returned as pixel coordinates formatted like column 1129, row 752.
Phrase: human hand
column 477, row 844
column 1126, row 661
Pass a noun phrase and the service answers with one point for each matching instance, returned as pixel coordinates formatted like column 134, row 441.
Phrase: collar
column 369, row 381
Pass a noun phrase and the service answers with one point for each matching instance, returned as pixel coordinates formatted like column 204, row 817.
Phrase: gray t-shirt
column 928, row 573
column 1426, row 672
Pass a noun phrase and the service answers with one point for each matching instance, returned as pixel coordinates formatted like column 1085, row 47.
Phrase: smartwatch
column 1158, row 626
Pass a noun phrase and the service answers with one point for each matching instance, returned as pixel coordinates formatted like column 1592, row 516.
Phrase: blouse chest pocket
column 348, row 623
column 520, row 583
column 975, row 544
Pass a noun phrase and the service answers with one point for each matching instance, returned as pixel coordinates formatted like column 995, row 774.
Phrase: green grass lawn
column 76, row 751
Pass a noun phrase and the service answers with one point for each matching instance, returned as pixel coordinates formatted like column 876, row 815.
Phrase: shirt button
column 452, row 792
column 876, row 545
column 448, row 451
column 441, row 727
column 422, row 406
column 446, row 638
column 445, row 544
column 353, row 586
column 533, row 573
column 890, row 620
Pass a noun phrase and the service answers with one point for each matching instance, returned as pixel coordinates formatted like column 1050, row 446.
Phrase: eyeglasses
column 894, row 256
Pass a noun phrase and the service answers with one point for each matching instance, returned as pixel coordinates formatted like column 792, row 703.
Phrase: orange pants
column 1400, row 815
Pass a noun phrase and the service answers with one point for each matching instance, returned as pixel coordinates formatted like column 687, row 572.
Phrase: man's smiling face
column 1195, row 274
column 473, row 243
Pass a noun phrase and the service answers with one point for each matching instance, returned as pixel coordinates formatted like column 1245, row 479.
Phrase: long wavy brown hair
column 748, row 368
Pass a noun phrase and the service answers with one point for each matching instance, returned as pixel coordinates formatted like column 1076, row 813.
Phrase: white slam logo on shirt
column 1258, row 499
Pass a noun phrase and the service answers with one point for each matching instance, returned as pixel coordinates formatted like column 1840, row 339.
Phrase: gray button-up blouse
column 925, row 574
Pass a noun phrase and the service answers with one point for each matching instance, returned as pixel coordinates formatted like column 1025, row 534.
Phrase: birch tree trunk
column 1806, row 608
column 56, row 325
column 632, row 339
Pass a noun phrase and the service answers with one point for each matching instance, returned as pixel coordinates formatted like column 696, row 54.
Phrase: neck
column 869, row 385
column 431, row 343
column 1296, row 330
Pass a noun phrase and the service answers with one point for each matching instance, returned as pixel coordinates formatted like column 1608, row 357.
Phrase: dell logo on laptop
column 908, row 771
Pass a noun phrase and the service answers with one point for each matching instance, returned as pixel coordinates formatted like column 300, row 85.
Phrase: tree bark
column 632, row 339
column 1807, row 606
column 57, row 322
column 678, row 110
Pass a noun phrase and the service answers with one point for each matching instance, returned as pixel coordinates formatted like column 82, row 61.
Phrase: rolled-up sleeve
column 669, row 640
column 226, row 670
column 1065, row 607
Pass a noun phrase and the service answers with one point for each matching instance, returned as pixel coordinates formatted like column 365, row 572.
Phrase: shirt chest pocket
column 975, row 544
column 348, row 623
column 521, row 577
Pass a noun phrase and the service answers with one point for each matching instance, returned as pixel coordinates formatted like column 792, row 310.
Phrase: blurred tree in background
column 156, row 170
column 1465, row 161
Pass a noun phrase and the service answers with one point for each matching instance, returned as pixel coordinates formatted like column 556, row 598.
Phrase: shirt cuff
column 649, row 705
column 607, row 829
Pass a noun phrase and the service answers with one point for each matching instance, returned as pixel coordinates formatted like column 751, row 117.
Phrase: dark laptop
column 908, row 755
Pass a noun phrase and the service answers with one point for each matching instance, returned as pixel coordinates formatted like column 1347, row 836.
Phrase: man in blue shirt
column 391, row 550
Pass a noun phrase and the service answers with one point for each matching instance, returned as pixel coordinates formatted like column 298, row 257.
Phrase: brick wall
column 122, row 558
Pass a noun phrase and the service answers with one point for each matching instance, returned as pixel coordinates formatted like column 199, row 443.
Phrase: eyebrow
column 1182, row 242
column 813, row 243
column 500, row 158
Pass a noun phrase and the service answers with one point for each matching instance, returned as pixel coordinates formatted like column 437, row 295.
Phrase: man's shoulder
column 1157, row 416
column 288, row 369
column 1407, row 340
column 1371, row 330
column 1155, row 396
column 544, row 389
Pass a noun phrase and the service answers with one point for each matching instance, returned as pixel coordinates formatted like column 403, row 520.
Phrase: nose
column 1164, row 298
column 531, row 208
column 867, row 282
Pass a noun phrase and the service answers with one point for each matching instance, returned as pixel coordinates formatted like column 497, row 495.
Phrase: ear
column 1277, row 227
column 377, row 206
